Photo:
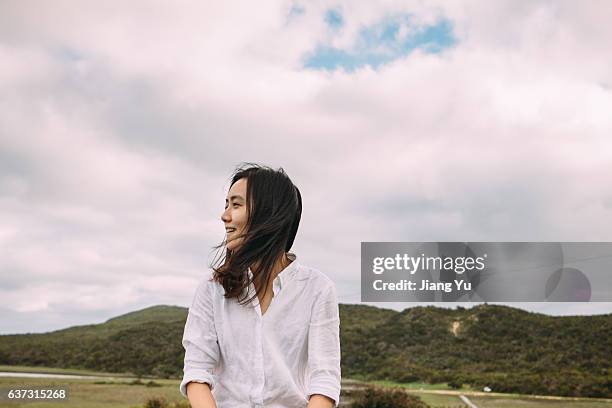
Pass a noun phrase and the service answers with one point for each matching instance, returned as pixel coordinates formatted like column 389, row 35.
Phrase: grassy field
column 526, row 402
column 443, row 396
column 118, row 392
column 95, row 394
column 71, row 371
column 440, row 400
column 416, row 385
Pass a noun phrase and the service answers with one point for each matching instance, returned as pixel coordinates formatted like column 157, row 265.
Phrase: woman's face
column 235, row 215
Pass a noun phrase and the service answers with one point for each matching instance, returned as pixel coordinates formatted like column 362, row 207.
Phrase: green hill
column 150, row 314
column 507, row 349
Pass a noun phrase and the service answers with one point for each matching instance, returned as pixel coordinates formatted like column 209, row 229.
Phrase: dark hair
column 274, row 209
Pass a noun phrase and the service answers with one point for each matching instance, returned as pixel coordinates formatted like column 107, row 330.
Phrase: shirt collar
column 284, row 276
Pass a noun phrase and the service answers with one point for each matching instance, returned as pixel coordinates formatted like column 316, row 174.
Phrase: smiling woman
column 262, row 330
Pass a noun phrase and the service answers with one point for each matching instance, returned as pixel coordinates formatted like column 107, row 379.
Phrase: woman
column 263, row 330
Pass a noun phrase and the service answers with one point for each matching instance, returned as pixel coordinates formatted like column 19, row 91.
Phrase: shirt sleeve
column 200, row 339
column 324, row 346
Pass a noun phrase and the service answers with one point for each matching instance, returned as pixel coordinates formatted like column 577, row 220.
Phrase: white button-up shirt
column 278, row 359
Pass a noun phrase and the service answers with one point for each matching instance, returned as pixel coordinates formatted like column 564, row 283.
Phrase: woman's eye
column 236, row 205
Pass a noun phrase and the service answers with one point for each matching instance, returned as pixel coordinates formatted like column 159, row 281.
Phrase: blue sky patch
column 381, row 43
column 334, row 19
column 296, row 10
column 68, row 54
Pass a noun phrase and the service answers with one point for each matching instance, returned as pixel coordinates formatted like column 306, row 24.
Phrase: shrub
column 156, row 402
column 161, row 402
column 374, row 397
column 153, row 384
column 180, row 404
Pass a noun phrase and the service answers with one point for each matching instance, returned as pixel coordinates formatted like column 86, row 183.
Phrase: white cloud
column 119, row 127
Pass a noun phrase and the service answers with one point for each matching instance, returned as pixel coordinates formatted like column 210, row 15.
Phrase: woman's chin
column 232, row 246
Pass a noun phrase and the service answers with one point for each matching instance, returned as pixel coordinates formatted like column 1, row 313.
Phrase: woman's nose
column 225, row 215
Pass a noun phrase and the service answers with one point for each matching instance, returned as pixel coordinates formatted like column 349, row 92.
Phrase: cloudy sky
column 121, row 122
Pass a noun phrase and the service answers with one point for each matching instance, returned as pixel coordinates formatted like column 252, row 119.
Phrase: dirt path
column 467, row 401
